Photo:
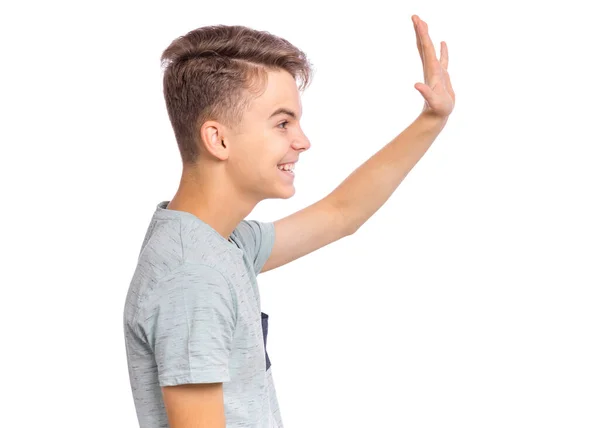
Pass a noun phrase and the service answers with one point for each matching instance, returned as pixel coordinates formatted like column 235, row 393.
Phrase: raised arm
column 360, row 195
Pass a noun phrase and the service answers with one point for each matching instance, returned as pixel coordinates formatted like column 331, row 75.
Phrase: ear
column 212, row 138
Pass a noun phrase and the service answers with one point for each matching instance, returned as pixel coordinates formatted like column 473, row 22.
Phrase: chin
column 289, row 194
column 286, row 193
column 283, row 188
column 282, row 192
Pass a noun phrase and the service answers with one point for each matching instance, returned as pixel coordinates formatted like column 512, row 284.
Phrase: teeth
column 286, row 167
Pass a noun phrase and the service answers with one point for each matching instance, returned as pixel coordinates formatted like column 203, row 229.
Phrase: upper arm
column 306, row 231
column 190, row 327
column 195, row 405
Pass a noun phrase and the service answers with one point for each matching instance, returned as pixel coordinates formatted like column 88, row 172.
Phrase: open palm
column 437, row 89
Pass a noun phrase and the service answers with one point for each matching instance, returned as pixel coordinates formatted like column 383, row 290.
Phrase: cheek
column 254, row 165
column 270, row 152
column 241, row 166
column 259, row 159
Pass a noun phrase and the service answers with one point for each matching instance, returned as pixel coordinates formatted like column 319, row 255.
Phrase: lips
column 289, row 161
column 288, row 174
column 288, row 166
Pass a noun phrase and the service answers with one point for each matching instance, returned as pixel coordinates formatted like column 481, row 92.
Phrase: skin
column 238, row 170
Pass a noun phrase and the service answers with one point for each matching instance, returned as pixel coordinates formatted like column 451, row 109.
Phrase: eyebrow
column 284, row 111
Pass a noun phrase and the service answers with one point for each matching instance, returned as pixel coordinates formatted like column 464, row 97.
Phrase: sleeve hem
column 205, row 377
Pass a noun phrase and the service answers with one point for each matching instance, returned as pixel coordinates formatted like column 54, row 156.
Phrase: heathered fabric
column 192, row 315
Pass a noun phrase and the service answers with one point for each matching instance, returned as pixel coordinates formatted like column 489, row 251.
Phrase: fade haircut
column 214, row 73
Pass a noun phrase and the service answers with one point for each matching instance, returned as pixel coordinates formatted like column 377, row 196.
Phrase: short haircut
column 214, row 73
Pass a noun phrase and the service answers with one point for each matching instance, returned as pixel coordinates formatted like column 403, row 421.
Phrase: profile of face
column 269, row 136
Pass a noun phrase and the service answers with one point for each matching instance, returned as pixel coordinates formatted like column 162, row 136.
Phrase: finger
column 415, row 20
column 447, row 82
column 449, row 86
column 428, row 50
column 444, row 55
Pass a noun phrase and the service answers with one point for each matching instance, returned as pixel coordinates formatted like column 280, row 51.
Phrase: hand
column 437, row 90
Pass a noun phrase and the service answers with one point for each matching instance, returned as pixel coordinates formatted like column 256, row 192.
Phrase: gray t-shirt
column 192, row 315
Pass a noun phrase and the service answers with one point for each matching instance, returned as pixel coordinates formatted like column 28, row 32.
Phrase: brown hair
column 214, row 72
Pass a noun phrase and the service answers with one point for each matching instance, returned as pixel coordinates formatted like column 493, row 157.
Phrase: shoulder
column 187, row 286
column 186, row 293
column 194, row 275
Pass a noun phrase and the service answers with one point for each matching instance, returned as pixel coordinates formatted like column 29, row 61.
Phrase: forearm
column 365, row 190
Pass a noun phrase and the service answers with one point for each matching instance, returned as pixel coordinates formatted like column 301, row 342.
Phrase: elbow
column 348, row 225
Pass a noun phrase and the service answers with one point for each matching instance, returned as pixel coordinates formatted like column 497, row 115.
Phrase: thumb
column 424, row 90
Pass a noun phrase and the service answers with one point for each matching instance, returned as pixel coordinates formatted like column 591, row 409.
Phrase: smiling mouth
column 288, row 172
column 287, row 168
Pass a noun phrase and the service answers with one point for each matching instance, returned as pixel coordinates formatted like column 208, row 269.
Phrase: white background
column 471, row 299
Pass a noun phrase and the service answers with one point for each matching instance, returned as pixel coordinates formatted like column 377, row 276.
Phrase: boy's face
column 265, row 141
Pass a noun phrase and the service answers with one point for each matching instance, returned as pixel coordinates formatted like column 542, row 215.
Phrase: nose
column 301, row 143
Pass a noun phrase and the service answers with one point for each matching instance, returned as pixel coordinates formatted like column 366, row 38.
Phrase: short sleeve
column 192, row 326
column 257, row 239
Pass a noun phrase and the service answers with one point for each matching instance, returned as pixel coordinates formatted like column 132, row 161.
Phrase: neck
column 209, row 194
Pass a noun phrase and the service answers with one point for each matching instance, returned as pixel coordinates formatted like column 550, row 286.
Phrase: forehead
column 281, row 91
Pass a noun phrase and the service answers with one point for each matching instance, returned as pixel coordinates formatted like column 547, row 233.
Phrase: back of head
column 214, row 72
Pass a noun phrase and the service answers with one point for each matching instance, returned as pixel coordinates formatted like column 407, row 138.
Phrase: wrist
column 432, row 120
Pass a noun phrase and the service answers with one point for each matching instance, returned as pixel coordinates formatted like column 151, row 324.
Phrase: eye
column 283, row 123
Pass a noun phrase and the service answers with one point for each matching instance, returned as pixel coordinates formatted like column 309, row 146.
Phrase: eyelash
column 283, row 123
